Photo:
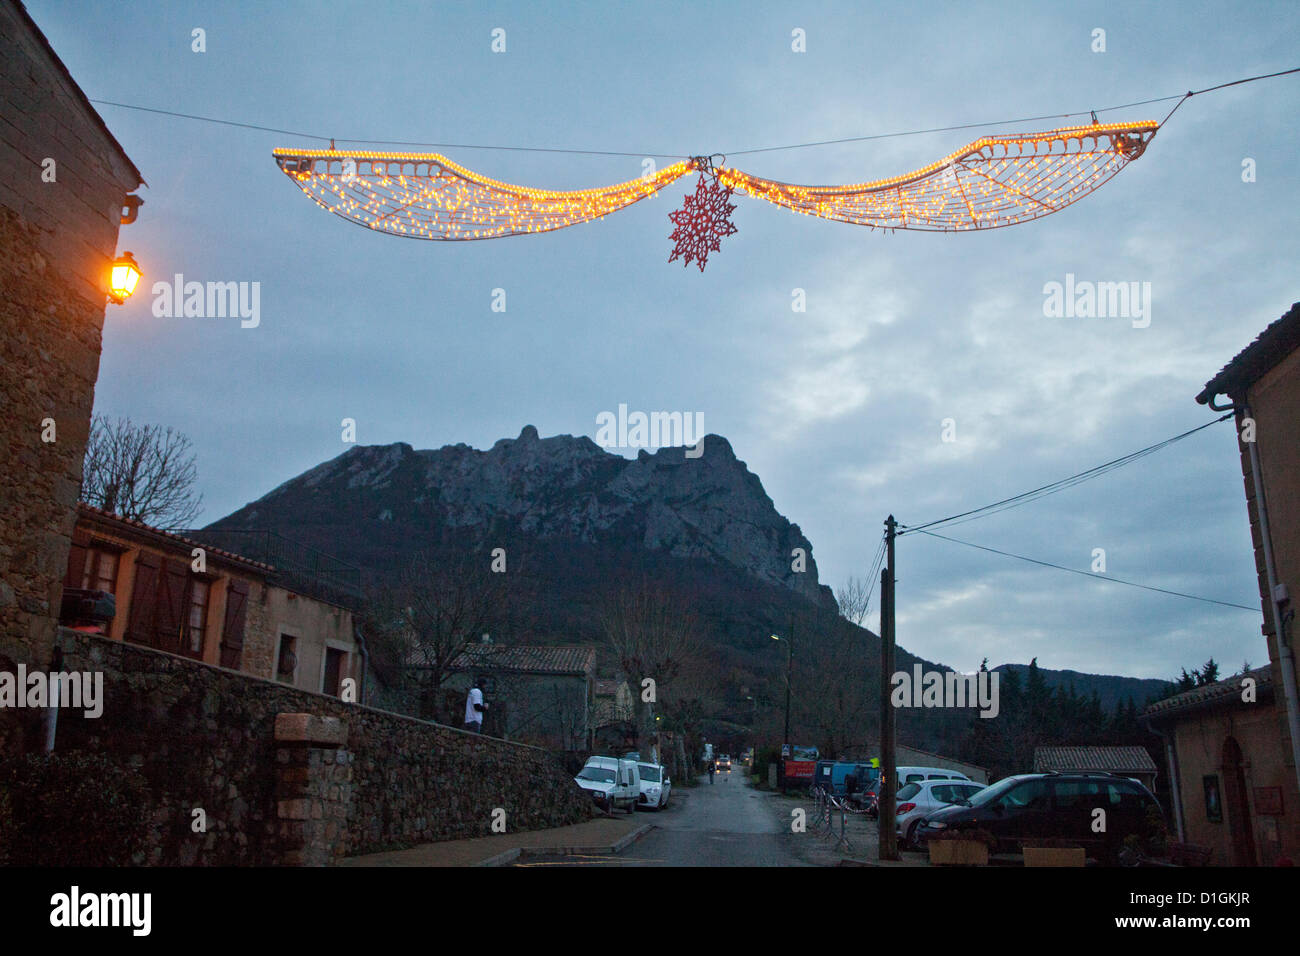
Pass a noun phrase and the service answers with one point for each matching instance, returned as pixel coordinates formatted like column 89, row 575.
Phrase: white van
column 908, row 775
column 612, row 782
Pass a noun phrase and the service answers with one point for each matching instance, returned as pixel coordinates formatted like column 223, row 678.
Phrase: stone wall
column 207, row 738
column 63, row 181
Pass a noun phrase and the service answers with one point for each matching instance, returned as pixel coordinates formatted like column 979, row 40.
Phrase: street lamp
column 789, row 667
column 123, row 278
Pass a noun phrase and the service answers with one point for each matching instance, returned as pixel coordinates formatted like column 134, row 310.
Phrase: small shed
column 1132, row 762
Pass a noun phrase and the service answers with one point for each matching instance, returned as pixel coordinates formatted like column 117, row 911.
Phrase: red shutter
column 173, row 606
column 140, row 625
column 77, row 558
column 232, row 631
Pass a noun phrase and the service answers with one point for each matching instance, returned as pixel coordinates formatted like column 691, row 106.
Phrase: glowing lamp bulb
column 125, row 275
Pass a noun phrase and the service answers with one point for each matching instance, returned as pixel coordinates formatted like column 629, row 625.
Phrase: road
column 727, row 823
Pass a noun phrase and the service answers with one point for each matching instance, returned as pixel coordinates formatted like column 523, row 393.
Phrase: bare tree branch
column 854, row 599
column 142, row 472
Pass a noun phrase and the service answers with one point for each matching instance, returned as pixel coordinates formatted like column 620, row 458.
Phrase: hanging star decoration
column 992, row 182
column 704, row 219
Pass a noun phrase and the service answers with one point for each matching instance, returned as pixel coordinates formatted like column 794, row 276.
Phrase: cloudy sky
column 839, row 409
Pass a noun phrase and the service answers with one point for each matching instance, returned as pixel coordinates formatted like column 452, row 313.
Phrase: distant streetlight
column 789, row 667
column 123, row 279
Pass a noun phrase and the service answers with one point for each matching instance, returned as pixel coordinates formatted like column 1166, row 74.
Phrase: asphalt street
column 726, row 823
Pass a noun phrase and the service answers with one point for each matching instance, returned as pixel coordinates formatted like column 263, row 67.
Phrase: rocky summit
column 372, row 504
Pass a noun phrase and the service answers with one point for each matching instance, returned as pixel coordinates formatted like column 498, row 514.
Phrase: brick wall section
column 205, row 737
column 57, row 241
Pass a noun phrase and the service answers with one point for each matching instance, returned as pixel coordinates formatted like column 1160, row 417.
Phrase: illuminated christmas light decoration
column 992, row 182
column 995, row 181
column 427, row 196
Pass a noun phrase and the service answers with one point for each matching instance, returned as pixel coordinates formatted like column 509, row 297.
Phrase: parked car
column 655, row 786
column 906, row 775
column 1023, row 808
column 612, row 782
column 920, row 798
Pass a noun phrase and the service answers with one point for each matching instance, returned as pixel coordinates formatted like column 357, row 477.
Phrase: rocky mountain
column 559, row 499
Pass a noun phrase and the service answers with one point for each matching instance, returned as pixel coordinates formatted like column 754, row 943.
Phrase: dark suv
column 1052, row 806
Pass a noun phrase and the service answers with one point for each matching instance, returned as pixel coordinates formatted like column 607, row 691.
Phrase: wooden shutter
column 173, row 607
column 143, row 611
column 232, row 630
column 77, row 558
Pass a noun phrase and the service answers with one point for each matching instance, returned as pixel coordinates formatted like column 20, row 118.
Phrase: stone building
column 534, row 694
column 64, row 191
column 1232, row 752
column 183, row 596
column 1229, row 763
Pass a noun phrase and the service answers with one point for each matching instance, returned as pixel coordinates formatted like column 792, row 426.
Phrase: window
column 287, row 664
column 100, row 572
column 1030, row 795
column 334, row 659
column 1077, row 794
column 200, row 592
column 908, row 791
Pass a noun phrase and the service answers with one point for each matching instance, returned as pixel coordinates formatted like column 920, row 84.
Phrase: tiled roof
column 1221, row 692
column 1275, row 343
column 1112, row 759
column 527, row 659
column 182, row 543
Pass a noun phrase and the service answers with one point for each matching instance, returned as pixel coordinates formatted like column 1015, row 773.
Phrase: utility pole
column 888, row 843
column 789, row 670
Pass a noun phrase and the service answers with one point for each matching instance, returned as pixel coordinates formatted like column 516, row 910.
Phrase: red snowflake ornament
column 703, row 220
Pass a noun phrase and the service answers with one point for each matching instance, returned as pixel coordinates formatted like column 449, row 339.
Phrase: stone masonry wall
column 58, row 235
column 205, row 737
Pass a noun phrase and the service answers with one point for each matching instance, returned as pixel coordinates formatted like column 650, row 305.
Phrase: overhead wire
column 1089, row 574
column 1015, row 501
column 1181, row 97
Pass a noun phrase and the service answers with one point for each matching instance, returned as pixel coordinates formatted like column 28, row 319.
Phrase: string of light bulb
column 991, row 182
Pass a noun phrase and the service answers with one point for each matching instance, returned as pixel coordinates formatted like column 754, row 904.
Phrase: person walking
column 474, row 709
column 712, row 768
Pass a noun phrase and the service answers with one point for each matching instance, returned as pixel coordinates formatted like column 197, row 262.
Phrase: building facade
column 1232, row 749
column 64, row 187
column 540, row 695
column 179, row 595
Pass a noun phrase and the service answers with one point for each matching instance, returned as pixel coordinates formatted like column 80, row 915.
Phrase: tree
column 854, row 599
column 142, row 472
column 426, row 615
column 653, row 632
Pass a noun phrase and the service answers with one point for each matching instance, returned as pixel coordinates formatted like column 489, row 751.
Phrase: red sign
column 800, row 769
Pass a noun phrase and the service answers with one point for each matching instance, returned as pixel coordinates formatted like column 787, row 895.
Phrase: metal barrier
column 825, row 807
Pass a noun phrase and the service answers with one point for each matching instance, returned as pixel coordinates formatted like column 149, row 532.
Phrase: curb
column 510, row 856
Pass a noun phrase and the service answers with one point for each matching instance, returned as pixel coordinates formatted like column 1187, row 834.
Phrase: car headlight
column 935, row 825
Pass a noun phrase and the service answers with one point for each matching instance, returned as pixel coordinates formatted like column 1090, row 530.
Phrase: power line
column 1088, row 574
column 379, row 142
column 1006, row 504
column 1181, row 97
